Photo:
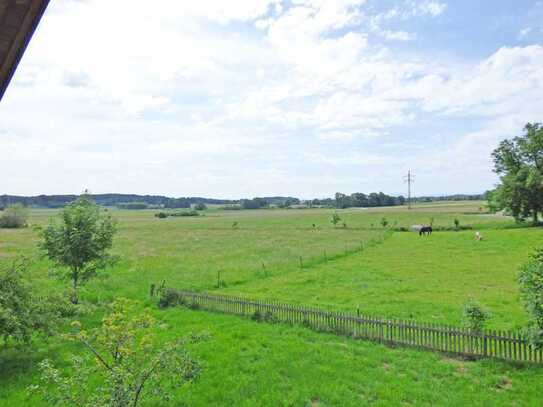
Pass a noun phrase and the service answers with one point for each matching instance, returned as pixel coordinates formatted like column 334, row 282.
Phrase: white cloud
column 398, row 35
column 234, row 98
column 524, row 32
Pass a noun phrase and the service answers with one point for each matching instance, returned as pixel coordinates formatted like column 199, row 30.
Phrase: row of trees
column 59, row 201
column 360, row 200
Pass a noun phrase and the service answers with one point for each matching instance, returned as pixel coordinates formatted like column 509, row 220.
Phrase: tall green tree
column 519, row 162
column 79, row 244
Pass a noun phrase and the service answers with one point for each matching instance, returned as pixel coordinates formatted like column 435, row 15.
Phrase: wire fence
column 507, row 345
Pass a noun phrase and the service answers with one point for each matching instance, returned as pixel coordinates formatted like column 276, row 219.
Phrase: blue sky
column 269, row 97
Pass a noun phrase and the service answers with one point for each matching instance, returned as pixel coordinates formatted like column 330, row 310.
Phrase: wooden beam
column 18, row 21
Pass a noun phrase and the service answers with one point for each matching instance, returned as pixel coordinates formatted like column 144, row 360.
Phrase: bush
column 531, row 289
column 124, row 367
column 401, row 229
column 335, row 219
column 184, row 213
column 163, row 215
column 169, row 298
column 475, row 316
column 132, row 205
column 200, row 206
column 231, row 208
column 14, row 217
column 22, row 312
column 452, row 228
column 384, row 222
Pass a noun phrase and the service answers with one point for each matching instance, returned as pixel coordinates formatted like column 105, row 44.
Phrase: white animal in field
column 478, row 236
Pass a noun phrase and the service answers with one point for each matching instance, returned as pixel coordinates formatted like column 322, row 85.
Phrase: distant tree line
column 59, row 201
column 456, row 197
column 359, row 200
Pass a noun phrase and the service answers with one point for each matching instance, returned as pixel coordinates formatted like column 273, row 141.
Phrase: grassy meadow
column 297, row 256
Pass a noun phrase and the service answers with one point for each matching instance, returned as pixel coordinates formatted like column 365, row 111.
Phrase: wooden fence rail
column 443, row 338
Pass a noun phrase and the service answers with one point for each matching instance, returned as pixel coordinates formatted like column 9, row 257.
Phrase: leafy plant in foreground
column 79, row 244
column 531, row 289
column 22, row 312
column 125, row 367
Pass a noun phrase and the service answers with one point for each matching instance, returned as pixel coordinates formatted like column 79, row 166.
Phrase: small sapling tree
column 456, row 223
column 531, row 288
column 79, row 244
column 335, row 219
column 475, row 316
column 125, row 367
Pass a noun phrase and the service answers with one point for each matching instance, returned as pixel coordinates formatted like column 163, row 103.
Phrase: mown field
column 258, row 253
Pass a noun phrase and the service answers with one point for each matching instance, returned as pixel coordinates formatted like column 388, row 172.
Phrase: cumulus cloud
column 255, row 97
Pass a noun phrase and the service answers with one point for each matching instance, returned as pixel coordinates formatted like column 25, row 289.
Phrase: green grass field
column 397, row 275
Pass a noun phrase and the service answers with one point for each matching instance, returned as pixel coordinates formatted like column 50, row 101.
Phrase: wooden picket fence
column 506, row 345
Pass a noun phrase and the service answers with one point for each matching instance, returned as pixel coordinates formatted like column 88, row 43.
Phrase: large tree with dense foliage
column 79, row 244
column 519, row 162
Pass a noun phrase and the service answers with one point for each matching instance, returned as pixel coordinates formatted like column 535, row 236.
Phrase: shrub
column 184, row 213
column 475, row 316
column 231, row 208
column 124, row 367
column 161, row 215
column 200, row 206
column 456, row 223
column 14, row 217
column 169, row 298
column 22, row 312
column 132, row 205
column 531, row 289
column 335, row 219
column 384, row 222
column 263, row 316
column 401, row 229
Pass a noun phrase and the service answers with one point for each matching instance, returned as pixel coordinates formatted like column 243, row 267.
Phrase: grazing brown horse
column 425, row 230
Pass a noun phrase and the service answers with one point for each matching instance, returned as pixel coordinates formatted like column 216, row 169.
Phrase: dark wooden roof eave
column 18, row 21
